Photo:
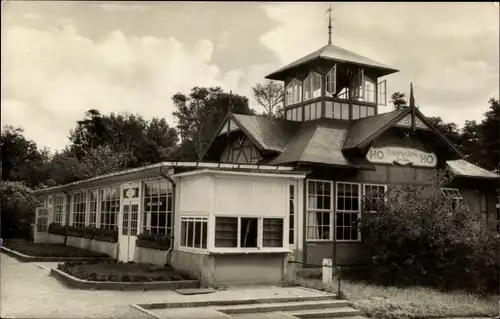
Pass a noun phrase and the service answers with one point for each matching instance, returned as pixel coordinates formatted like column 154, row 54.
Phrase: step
column 232, row 302
column 283, row 306
column 325, row 313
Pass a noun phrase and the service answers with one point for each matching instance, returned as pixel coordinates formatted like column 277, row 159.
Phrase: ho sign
column 402, row 156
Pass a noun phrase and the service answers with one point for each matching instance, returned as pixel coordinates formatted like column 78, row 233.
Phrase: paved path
column 28, row 291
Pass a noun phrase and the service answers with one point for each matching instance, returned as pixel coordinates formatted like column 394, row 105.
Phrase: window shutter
column 382, row 93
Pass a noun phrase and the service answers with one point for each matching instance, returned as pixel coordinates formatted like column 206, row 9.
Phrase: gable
column 228, row 126
column 406, row 122
column 240, row 150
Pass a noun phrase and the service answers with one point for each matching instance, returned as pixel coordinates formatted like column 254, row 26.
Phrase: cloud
column 51, row 77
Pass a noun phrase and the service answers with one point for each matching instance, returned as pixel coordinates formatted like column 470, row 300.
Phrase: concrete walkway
column 29, row 291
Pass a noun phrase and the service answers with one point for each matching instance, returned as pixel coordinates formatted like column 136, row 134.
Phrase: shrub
column 157, row 240
column 56, row 229
column 18, row 204
column 416, row 238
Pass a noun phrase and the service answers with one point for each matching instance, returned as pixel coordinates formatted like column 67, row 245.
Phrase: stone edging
column 107, row 285
column 26, row 258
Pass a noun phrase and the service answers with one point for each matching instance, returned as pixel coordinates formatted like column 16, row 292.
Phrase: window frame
column 331, row 211
column 89, row 209
column 102, row 201
column 456, row 201
column 337, row 211
column 309, row 84
column 292, row 216
column 81, row 194
column 364, row 195
column 260, row 234
column 146, row 213
column 293, row 91
column 196, row 219
column 331, row 77
column 62, row 206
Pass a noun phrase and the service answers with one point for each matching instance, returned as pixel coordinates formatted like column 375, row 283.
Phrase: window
column 42, row 219
column 272, row 232
column 293, row 92
column 454, row 195
column 291, row 214
column 79, row 209
column 312, row 86
column 194, row 232
column 41, row 201
column 158, row 207
column 59, row 209
column 369, row 90
column 374, row 197
column 110, row 207
column 331, row 81
column 382, row 93
column 348, row 212
column 498, row 212
column 357, row 85
column 319, row 210
column 243, row 232
column 93, row 208
column 343, row 94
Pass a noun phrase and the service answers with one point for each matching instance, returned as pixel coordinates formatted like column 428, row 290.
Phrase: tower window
column 293, row 92
column 312, row 86
column 331, row 81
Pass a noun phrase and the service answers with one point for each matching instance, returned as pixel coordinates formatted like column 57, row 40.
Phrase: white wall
column 196, row 194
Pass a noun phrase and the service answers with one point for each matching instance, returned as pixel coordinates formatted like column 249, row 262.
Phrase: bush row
column 89, row 232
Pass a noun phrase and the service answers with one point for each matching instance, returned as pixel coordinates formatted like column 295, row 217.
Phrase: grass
column 50, row 250
column 415, row 302
column 121, row 272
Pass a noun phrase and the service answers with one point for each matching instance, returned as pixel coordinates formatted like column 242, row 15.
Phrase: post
column 327, row 271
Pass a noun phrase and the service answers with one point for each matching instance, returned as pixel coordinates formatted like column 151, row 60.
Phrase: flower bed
column 50, row 250
column 109, row 271
column 89, row 232
column 154, row 241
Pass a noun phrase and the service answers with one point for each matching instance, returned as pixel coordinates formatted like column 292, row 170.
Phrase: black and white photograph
column 250, row 160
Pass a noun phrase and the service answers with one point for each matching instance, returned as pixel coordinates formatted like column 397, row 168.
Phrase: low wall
column 199, row 266
column 251, row 268
column 109, row 248
column 347, row 253
column 150, row 256
column 39, row 237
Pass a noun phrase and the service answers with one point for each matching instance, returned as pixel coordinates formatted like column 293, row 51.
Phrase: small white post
column 327, row 271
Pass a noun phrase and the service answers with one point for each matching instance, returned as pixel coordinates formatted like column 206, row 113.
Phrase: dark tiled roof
column 463, row 168
column 271, row 135
column 364, row 128
column 335, row 53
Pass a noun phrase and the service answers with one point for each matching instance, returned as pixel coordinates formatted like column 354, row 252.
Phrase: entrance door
column 129, row 221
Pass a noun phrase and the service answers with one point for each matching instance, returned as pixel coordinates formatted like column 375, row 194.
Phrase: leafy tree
column 199, row 115
column 418, row 238
column 398, row 100
column 450, row 130
column 489, row 132
column 18, row 205
column 270, row 96
column 21, row 158
column 91, row 132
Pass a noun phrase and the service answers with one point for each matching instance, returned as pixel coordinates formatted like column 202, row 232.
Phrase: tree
column 18, row 205
column 21, row 158
column 450, row 130
column 199, row 115
column 489, row 131
column 91, row 132
column 398, row 100
column 270, row 96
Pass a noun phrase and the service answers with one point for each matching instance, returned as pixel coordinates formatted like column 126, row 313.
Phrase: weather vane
column 329, row 11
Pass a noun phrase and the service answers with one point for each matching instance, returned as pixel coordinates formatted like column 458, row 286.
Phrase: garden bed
column 122, row 276
column 29, row 251
column 414, row 302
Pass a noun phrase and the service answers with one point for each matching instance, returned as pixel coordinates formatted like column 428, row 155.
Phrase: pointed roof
column 334, row 53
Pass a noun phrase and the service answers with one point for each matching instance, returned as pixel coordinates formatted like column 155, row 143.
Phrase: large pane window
column 110, row 207
column 291, row 213
column 319, row 210
column 59, row 209
column 194, row 232
column 92, row 208
column 243, row 232
column 79, row 209
column 312, row 86
column 331, row 82
column 348, row 212
column 158, row 207
column 293, row 92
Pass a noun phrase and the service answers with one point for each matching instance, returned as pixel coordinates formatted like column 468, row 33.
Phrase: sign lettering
column 401, row 156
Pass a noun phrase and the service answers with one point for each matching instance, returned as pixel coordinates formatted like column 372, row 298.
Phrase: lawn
column 50, row 250
column 121, row 272
column 415, row 302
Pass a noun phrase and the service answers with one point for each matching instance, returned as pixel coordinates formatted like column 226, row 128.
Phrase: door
column 129, row 221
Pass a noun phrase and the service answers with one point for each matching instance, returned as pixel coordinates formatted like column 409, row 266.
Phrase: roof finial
column 329, row 10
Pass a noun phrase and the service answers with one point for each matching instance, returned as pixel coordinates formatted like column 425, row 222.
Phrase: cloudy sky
column 60, row 59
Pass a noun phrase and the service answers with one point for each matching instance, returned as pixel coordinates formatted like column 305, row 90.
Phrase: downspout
column 174, row 187
column 68, row 208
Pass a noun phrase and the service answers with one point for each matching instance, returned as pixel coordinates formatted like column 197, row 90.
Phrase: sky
column 60, row 59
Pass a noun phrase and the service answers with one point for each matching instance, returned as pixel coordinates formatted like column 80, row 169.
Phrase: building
column 265, row 188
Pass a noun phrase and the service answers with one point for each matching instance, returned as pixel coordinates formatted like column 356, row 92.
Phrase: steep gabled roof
column 334, row 53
